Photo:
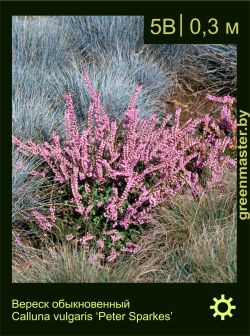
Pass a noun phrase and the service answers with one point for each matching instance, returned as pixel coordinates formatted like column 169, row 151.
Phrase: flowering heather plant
column 113, row 174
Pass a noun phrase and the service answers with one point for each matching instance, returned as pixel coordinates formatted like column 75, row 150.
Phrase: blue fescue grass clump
column 98, row 35
column 24, row 188
column 33, row 115
column 40, row 41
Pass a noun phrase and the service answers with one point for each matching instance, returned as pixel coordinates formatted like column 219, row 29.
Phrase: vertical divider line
column 180, row 25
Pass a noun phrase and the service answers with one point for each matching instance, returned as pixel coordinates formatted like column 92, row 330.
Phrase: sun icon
column 227, row 307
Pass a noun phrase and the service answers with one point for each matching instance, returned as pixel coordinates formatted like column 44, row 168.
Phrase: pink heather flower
column 111, row 232
column 99, row 204
column 69, row 237
column 131, row 248
column 70, row 120
column 20, row 165
column 113, row 255
column 18, row 241
column 98, row 256
column 52, row 213
column 85, row 239
column 88, row 84
column 45, row 222
column 36, row 173
column 115, row 238
column 74, row 188
column 224, row 100
column 87, row 188
column 95, row 260
column 100, row 243
column 87, row 211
